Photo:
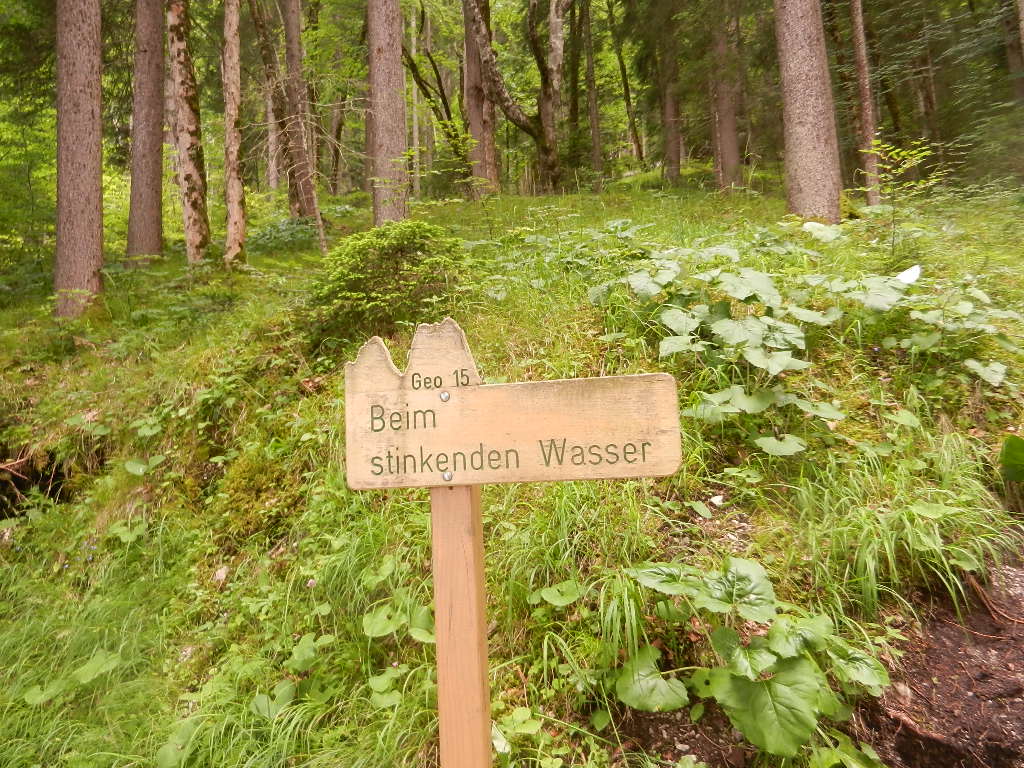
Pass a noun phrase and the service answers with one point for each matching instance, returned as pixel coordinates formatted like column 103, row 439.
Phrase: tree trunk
column 188, row 134
column 79, row 256
column 415, row 112
column 668, row 73
column 575, row 44
column 273, row 139
column 869, row 158
column 1014, row 23
column 596, row 159
column 296, row 93
column 387, row 144
column 145, row 209
column 277, row 109
column 234, row 194
column 337, row 129
column 483, row 155
column 725, row 90
column 634, row 133
column 813, row 180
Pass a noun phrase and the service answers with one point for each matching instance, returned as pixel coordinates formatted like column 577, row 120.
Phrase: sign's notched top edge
column 374, row 352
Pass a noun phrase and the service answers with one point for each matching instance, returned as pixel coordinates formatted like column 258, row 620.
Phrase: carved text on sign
column 438, row 425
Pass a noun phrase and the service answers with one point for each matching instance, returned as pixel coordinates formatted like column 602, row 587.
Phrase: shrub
column 402, row 272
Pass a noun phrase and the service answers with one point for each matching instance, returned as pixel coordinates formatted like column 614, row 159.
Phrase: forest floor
column 186, row 580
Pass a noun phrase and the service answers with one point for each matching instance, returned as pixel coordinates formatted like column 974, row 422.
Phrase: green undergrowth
column 185, row 579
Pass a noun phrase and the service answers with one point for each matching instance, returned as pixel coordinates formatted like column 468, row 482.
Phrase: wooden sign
column 435, row 425
column 438, row 426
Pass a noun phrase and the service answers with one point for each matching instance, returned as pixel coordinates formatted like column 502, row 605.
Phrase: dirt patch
column 671, row 736
column 958, row 699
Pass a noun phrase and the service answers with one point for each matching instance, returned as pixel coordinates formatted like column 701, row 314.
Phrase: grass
column 204, row 573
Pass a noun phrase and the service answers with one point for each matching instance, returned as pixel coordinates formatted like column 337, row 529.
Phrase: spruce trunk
column 386, row 133
column 813, row 180
column 596, row 158
column 234, row 194
column 145, row 208
column 483, row 156
column 297, row 95
column 866, row 103
column 725, row 95
column 79, row 256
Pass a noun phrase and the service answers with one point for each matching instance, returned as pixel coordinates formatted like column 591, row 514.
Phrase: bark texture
column 234, row 194
column 79, row 256
column 813, row 179
column 616, row 33
column 668, row 76
column 387, row 140
column 866, row 103
column 273, row 138
column 145, row 209
column 1013, row 19
column 725, row 97
column 188, row 134
column 594, row 115
column 277, row 110
column 483, row 155
column 298, row 117
column 542, row 127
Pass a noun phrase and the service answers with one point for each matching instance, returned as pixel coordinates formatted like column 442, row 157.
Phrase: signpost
column 438, row 426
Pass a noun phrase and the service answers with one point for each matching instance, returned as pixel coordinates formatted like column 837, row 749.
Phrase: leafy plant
column 402, row 272
column 775, row 684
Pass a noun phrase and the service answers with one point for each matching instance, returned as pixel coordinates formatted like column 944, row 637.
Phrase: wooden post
column 460, row 610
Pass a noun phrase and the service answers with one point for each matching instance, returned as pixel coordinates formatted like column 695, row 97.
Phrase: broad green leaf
column 178, row 747
column 599, row 719
column 746, row 660
column 382, row 620
column 643, row 285
column 820, row 409
column 270, row 706
column 386, row 700
column 303, row 655
column 670, row 345
column 747, row 330
column 101, row 662
column 750, row 282
column 856, row 667
column 787, row 445
column 813, row 316
column 37, row 695
column 421, row 624
column 640, row 684
column 385, row 680
column 878, row 292
column 667, row 578
column 904, row 418
column 773, row 362
column 790, row 636
column 782, row 335
column 137, row 467
column 679, row 322
column 778, row 714
column 1011, row 459
column 563, row 593
column 374, row 575
column 991, row 373
column 498, row 740
column 743, row 586
column 757, row 401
